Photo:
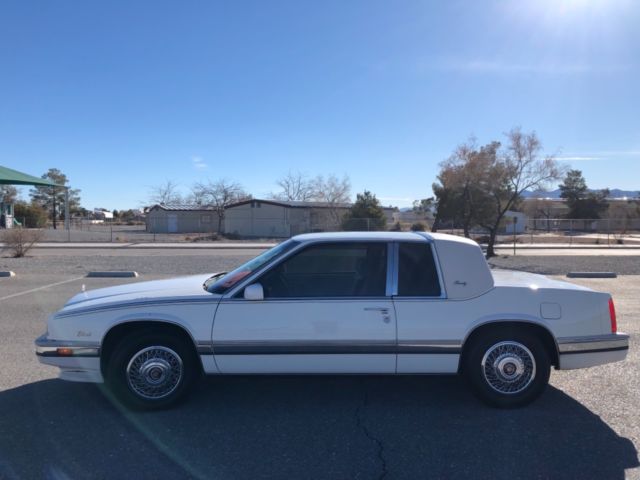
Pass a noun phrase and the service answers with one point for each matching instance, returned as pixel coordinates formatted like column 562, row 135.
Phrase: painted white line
column 40, row 288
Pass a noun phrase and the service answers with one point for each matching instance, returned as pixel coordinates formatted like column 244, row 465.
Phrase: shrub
column 31, row 215
column 20, row 240
column 418, row 227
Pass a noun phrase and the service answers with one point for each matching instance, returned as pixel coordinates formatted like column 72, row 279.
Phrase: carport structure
column 9, row 176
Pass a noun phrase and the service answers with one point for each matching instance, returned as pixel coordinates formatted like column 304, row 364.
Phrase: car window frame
column 235, row 294
column 430, row 244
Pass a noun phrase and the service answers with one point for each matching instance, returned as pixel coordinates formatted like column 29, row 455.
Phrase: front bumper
column 583, row 352
column 78, row 361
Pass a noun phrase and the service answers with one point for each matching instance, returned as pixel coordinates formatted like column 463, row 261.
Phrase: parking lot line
column 44, row 287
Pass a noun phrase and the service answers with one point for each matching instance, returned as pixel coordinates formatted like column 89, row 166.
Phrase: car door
column 425, row 342
column 325, row 309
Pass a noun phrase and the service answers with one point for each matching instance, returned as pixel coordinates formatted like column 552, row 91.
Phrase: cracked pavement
column 585, row 426
column 360, row 422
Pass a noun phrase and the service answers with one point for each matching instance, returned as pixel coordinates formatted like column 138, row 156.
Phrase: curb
column 592, row 275
column 7, row 274
column 112, row 274
column 170, row 246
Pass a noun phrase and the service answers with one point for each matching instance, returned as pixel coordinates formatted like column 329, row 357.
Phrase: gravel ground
column 561, row 265
column 148, row 261
column 185, row 262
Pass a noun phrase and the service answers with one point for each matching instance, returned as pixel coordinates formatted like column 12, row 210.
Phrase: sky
column 123, row 96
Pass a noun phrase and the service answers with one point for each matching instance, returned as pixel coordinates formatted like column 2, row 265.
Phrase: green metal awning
column 13, row 177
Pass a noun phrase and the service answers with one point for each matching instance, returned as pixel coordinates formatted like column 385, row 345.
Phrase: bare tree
column 333, row 191
column 521, row 167
column 165, row 194
column 8, row 194
column 219, row 194
column 295, row 186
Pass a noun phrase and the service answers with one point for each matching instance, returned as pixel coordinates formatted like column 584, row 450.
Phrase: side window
column 330, row 270
column 417, row 274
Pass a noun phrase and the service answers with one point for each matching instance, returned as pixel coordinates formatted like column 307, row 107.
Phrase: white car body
column 389, row 334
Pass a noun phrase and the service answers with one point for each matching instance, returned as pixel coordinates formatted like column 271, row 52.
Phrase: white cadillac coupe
column 337, row 303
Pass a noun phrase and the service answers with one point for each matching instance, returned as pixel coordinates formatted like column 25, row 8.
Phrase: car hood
column 173, row 288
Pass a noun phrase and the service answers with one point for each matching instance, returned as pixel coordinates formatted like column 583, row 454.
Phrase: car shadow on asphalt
column 305, row 427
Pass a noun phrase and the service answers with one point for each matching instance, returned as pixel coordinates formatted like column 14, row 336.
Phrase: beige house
column 275, row 218
column 252, row 218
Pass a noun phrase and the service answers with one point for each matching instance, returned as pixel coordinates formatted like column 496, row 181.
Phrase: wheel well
column 539, row 331
column 120, row 331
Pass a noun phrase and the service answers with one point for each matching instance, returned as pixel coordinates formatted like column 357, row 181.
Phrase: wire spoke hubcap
column 154, row 372
column 508, row 367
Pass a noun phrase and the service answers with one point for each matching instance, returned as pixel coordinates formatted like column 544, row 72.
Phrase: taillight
column 612, row 316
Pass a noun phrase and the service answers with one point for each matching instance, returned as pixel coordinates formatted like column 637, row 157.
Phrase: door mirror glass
column 254, row 292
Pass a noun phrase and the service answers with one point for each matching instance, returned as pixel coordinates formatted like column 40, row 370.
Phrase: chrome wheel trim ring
column 508, row 367
column 154, row 372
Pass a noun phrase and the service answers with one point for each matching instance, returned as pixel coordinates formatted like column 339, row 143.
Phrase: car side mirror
column 254, row 292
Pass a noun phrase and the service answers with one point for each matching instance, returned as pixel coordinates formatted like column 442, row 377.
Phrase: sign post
column 515, row 221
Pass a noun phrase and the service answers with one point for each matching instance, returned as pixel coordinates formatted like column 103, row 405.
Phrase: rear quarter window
column 417, row 273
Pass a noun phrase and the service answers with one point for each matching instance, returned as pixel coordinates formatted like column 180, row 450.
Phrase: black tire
column 151, row 371
column 507, row 369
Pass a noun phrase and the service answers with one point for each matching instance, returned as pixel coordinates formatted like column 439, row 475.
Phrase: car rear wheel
column 507, row 370
column 151, row 371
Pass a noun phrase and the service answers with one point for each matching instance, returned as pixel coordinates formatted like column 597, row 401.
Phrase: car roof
column 383, row 236
column 365, row 236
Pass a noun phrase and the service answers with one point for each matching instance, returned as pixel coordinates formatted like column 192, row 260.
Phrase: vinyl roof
column 299, row 204
column 183, row 207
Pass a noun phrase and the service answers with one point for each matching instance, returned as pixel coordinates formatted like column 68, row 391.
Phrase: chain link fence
column 607, row 231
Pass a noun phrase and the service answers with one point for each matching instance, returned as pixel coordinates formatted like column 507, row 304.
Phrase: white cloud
column 198, row 163
column 579, row 158
column 501, row 66
column 604, row 155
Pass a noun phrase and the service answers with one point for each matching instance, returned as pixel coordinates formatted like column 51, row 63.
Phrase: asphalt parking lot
column 587, row 424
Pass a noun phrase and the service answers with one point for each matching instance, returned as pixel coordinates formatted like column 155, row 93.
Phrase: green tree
column 30, row 215
column 582, row 202
column 366, row 214
column 423, row 207
column 462, row 192
column 52, row 198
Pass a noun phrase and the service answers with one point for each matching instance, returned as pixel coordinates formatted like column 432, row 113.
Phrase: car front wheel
column 151, row 371
column 507, row 370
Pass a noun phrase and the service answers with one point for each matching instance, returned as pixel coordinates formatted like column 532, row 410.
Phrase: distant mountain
column 614, row 193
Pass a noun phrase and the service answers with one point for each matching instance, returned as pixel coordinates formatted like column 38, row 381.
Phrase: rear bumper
column 583, row 352
column 77, row 361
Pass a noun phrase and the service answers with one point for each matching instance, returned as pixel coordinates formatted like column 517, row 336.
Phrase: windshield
column 228, row 280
